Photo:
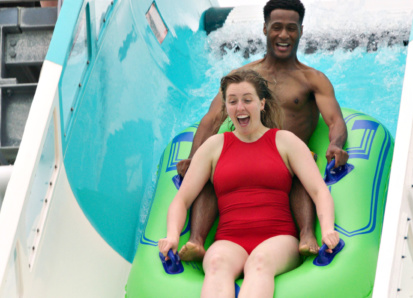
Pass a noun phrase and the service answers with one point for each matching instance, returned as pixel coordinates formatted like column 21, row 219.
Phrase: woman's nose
column 240, row 106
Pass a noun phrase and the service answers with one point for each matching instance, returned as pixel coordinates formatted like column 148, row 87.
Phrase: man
column 304, row 93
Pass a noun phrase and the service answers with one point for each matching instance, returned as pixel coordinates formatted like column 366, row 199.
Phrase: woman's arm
column 198, row 174
column 301, row 162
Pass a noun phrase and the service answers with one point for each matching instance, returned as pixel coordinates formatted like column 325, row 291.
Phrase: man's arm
column 208, row 126
column 331, row 113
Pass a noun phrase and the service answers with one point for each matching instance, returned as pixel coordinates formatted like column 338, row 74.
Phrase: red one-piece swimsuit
column 252, row 184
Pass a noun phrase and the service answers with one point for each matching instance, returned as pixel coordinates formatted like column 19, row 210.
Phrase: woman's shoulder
column 213, row 142
column 210, row 148
column 284, row 134
column 286, row 139
column 214, row 139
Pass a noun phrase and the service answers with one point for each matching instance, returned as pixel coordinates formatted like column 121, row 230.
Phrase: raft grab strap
column 324, row 258
column 332, row 175
column 173, row 265
column 177, row 180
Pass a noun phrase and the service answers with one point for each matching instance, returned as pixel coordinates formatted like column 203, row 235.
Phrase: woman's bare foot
column 308, row 244
column 192, row 252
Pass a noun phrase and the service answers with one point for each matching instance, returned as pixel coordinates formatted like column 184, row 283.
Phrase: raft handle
column 173, row 265
column 177, row 180
column 324, row 258
column 334, row 175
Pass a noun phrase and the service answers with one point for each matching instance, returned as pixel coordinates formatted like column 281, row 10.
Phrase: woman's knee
column 215, row 262
column 258, row 262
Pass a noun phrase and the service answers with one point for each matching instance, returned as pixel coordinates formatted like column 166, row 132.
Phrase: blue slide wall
column 118, row 83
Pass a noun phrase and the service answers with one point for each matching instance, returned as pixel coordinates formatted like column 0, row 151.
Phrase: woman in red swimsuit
column 251, row 169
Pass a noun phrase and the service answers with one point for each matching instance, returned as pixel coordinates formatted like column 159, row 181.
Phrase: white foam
column 328, row 26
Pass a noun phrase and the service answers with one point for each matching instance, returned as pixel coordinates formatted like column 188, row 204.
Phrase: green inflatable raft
column 359, row 197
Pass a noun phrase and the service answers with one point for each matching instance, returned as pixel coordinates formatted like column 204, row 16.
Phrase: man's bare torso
column 294, row 89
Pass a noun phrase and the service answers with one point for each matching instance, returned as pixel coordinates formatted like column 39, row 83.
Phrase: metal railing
column 43, row 3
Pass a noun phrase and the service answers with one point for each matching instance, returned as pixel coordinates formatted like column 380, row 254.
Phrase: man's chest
column 292, row 93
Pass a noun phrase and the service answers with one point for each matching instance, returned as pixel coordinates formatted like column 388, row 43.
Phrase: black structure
column 25, row 34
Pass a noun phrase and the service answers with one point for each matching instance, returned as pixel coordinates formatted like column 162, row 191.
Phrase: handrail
column 59, row 3
column 20, row 1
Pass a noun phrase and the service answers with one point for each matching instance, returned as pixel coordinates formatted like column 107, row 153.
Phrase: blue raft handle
column 334, row 175
column 324, row 258
column 173, row 265
column 177, row 180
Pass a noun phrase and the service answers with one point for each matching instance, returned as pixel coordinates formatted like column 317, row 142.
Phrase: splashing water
column 363, row 55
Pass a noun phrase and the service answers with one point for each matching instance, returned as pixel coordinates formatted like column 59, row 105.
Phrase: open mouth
column 243, row 120
column 282, row 46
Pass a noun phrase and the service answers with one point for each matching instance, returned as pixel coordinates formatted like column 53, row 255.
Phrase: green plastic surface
column 359, row 208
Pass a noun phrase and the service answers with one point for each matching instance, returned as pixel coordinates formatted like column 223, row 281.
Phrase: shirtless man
column 304, row 93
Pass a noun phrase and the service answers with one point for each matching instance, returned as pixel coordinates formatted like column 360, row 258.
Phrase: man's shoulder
column 315, row 78
column 312, row 73
column 255, row 65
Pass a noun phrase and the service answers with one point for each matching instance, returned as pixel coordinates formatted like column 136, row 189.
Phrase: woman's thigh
column 275, row 255
column 225, row 256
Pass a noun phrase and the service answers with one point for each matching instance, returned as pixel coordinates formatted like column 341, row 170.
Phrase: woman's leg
column 270, row 258
column 223, row 263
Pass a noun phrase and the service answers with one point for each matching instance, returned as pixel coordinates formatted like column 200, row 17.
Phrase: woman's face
column 244, row 106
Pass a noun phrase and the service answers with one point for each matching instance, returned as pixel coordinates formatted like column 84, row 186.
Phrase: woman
column 251, row 169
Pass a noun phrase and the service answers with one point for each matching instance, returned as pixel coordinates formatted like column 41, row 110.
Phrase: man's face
column 283, row 31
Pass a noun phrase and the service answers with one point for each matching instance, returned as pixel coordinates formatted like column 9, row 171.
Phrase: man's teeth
column 283, row 44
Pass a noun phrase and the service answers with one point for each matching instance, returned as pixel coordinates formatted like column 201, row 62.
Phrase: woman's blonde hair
column 272, row 115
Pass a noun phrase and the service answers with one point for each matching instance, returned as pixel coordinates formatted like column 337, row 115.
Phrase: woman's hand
column 165, row 244
column 331, row 239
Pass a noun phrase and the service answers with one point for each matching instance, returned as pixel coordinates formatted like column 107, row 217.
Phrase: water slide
column 120, row 80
